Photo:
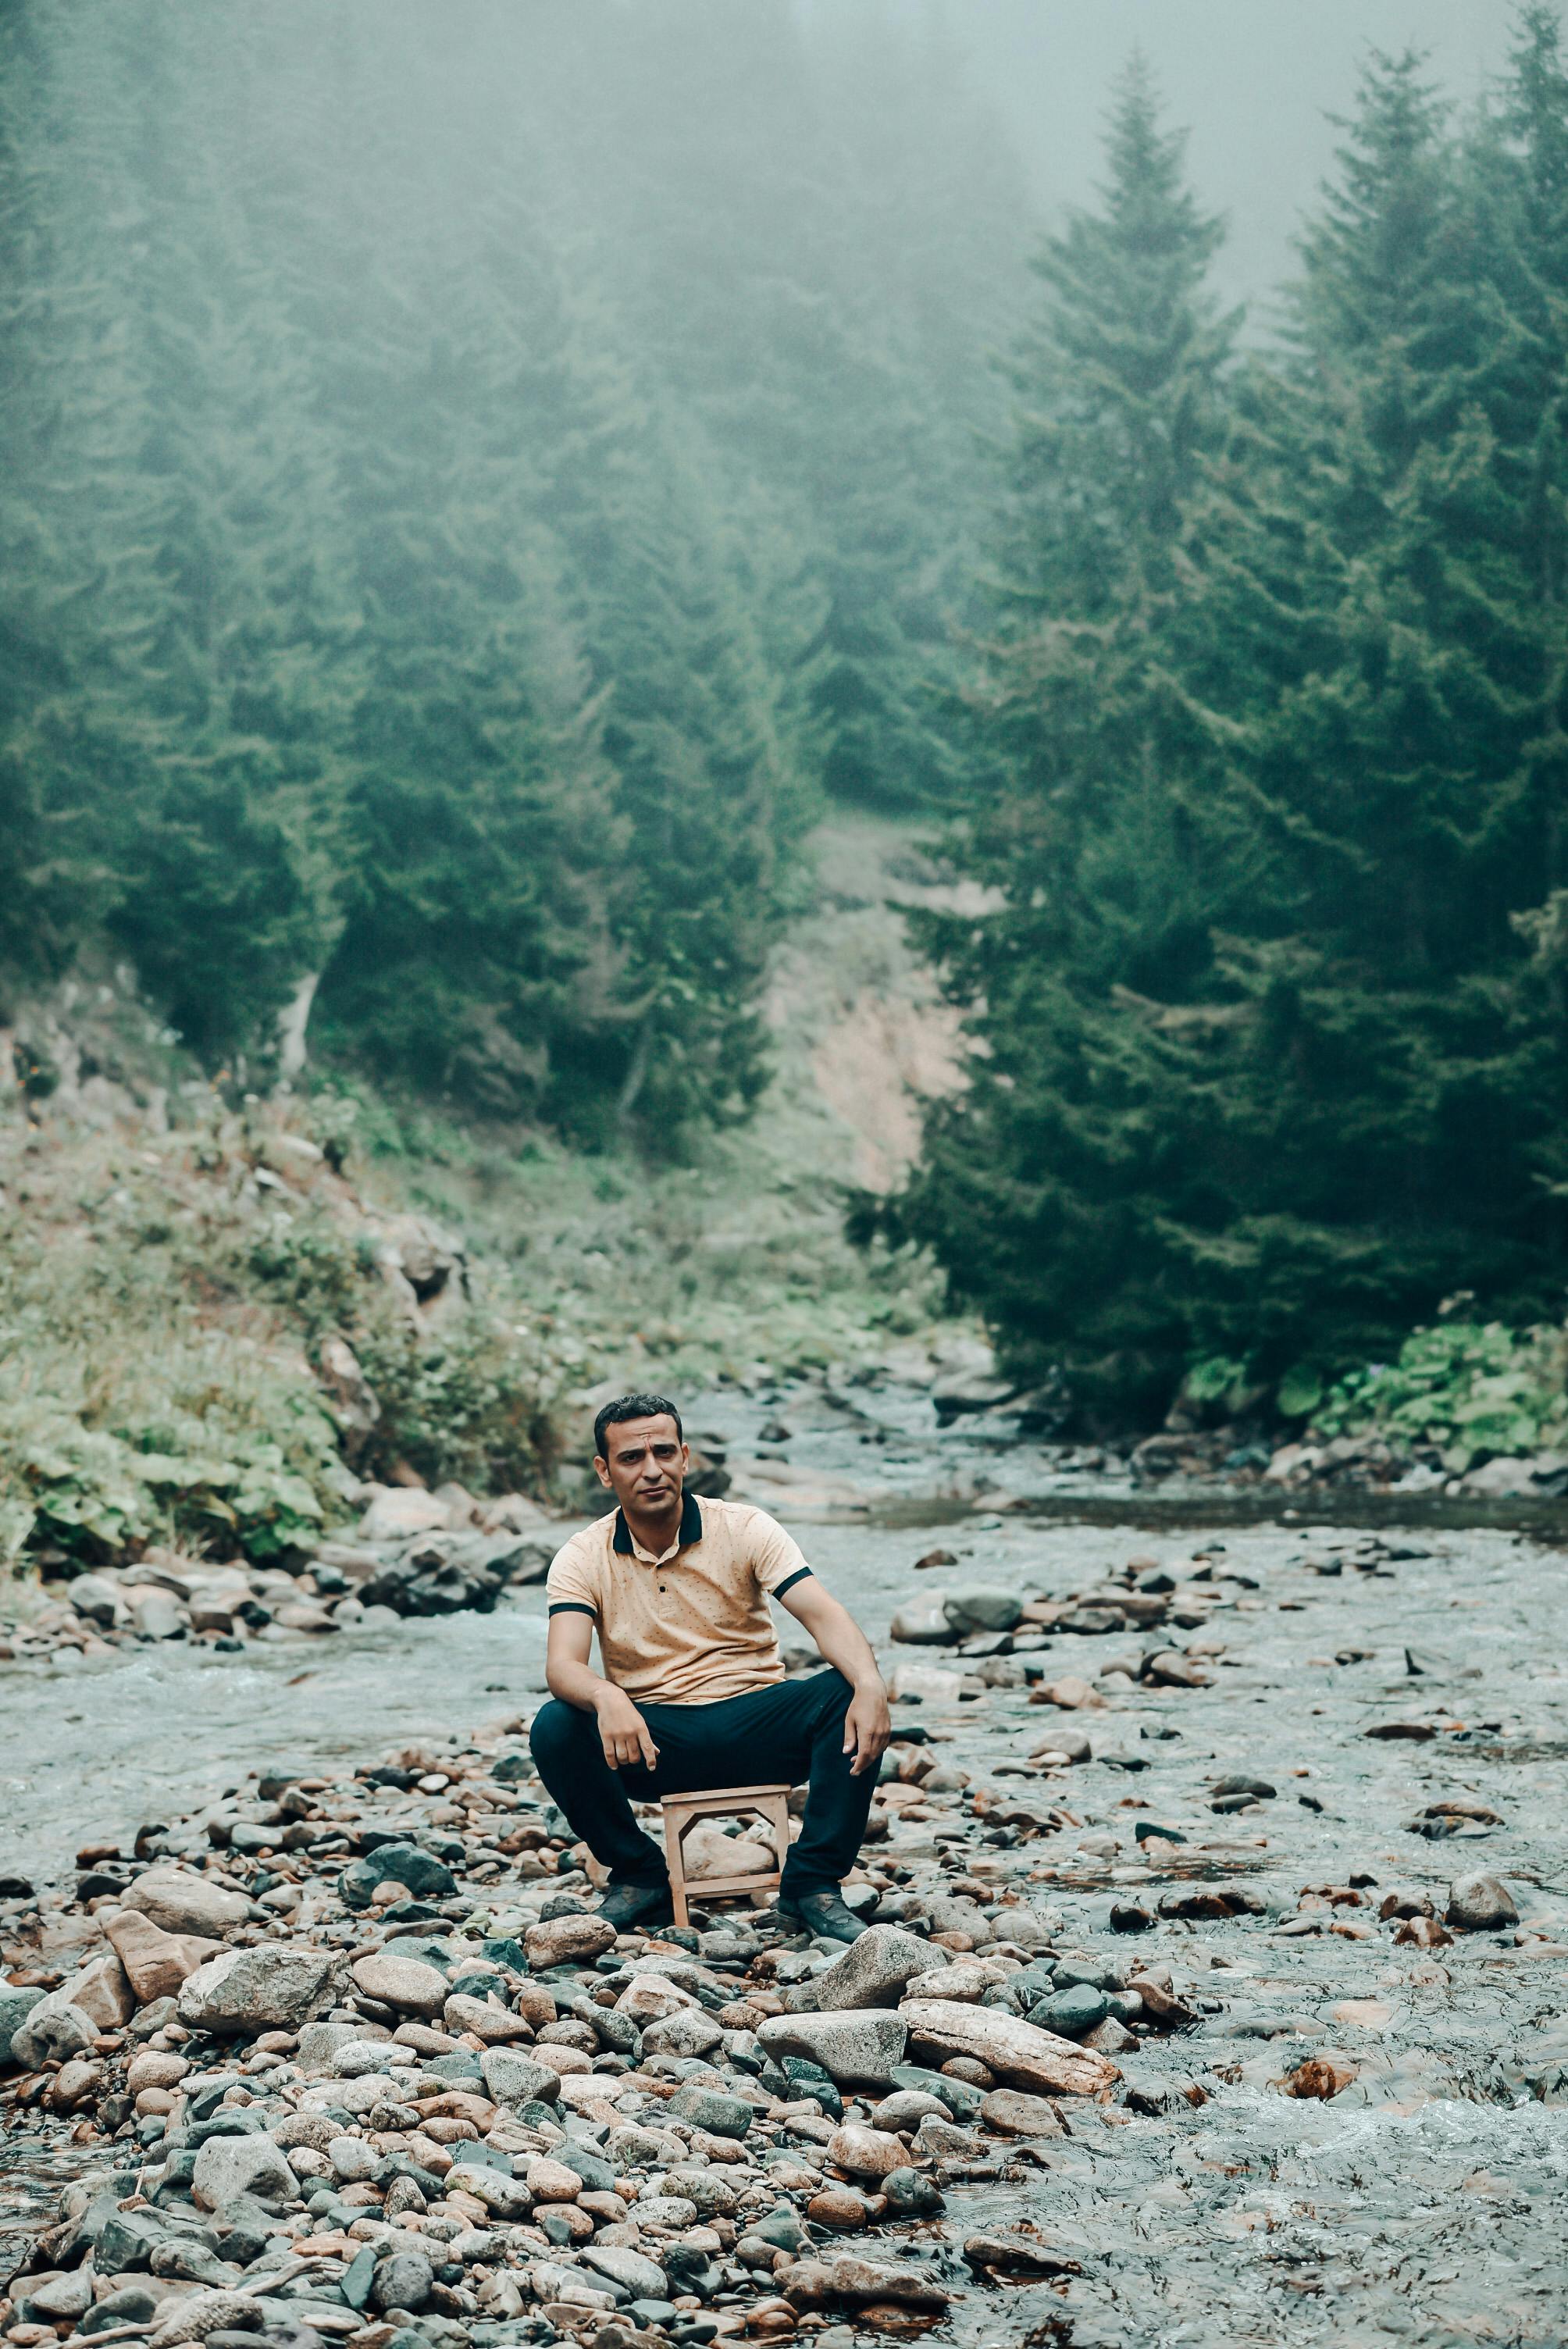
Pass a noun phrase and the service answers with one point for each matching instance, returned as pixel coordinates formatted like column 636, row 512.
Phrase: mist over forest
column 483, row 484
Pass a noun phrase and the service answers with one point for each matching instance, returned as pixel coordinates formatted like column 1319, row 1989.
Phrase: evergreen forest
column 479, row 484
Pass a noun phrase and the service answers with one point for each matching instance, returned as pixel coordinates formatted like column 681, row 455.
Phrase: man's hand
column 624, row 1733
column 867, row 1727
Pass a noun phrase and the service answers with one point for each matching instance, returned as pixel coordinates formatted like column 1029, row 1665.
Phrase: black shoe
column 631, row 1908
column 823, row 1913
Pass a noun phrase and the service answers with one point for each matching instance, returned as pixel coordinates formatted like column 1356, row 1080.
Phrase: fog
column 1255, row 81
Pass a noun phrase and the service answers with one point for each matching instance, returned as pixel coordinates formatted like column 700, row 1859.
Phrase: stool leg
column 675, row 1839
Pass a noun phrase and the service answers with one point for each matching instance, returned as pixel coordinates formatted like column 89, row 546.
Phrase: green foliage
column 1267, row 757
column 1465, row 1389
column 477, row 1404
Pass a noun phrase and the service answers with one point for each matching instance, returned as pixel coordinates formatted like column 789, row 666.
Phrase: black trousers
column 791, row 1731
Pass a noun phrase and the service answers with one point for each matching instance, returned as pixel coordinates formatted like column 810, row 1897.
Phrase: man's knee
column 555, row 1737
column 832, row 1693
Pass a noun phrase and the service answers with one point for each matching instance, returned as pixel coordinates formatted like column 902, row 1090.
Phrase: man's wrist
column 870, row 1683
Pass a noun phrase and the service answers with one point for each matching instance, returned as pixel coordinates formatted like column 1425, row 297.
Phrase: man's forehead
column 625, row 1431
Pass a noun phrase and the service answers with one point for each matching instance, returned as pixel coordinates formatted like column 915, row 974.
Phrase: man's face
column 644, row 1466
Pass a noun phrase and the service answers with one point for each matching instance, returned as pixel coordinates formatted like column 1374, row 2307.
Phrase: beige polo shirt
column 693, row 1626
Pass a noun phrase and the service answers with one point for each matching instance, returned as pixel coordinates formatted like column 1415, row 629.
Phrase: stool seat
column 681, row 1814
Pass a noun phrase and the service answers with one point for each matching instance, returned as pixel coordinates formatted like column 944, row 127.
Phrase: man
column 693, row 1693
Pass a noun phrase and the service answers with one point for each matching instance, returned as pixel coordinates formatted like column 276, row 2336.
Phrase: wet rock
column 858, row 2049
column 873, row 1970
column 1012, row 2112
column 811, row 2283
column 1018, row 2053
column 273, row 1988
column 840, row 2207
column 1016, row 2254
column 910, row 2194
column 1319, row 2079
column 1480, row 1904
column 1073, row 2012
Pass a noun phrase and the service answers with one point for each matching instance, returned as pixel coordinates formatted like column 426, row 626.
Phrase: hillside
column 220, row 1313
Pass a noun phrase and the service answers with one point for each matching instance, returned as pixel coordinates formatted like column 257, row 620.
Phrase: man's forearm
column 842, row 1642
column 575, row 1683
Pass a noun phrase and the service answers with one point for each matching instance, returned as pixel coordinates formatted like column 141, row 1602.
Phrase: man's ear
column 602, row 1470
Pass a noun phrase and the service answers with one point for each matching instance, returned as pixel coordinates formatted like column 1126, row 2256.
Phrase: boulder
column 183, row 1902
column 1019, row 2054
column 809, row 2283
column 406, row 1983
column 1012, row 2112
column 397, row 1511
column 54, row 2029
column 982, row 1609
column 632, row 2270
column 568, row 1942
column 858, row 2048
column 930, row 1683
column 155, row 1962
column 493, row 2025
column 922, row 1625
column 691, row 2032
column 515, row 2078
column 16, row 2006
column 866, row 2152
column 872, row 1971
column 66, row 2020
column 227, row 2166
column 271, row 1988
column 1480, row 1904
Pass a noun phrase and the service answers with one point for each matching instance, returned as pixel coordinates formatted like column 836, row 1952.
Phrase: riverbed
column 1425, row 2199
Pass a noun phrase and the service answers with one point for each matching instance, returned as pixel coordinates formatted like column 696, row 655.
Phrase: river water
column 1427, row 2201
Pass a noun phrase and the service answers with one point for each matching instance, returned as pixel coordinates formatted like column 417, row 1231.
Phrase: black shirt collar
column 691, row 1527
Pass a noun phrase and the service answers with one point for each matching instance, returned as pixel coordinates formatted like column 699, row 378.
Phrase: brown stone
column 1012, row 2112
column 568, row 1942
column 866, row 2152
column 406, row 1983
column 836, row 2206
column 1320, row 2078
column 1019, row 2054
column 156, row 1962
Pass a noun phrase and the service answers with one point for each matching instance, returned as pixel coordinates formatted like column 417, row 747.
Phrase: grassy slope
column 172, row 1257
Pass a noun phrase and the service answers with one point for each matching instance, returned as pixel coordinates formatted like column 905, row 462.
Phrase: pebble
column 1480, row 1904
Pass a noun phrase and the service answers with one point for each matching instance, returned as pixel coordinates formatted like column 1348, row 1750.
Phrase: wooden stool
column 682, row 1813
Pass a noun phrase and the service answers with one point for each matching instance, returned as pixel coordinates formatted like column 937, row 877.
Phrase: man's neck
column 653, row 1535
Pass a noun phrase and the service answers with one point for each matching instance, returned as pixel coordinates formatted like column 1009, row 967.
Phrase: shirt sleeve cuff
column 790, row 1580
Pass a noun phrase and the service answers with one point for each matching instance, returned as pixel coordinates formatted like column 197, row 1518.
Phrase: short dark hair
column 631, row 1406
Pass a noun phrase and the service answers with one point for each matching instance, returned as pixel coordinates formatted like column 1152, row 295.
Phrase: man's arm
column 570, row 1676
column 844, row 1645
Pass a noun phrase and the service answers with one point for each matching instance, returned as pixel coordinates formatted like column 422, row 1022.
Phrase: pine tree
column 1267, row 1071
column 1090, row 819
